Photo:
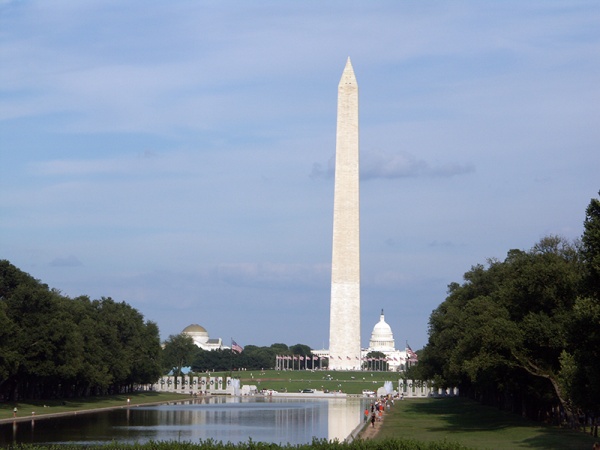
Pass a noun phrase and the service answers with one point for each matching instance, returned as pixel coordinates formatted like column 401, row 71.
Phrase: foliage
column 591, row 247
column 178, row 352
column 583, row 332
column 524, row 333
column 251, row 358
column 52, row 346
column 500, row 335
column 376, row 361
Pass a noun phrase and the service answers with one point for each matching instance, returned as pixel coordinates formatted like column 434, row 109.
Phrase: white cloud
column 170, row 146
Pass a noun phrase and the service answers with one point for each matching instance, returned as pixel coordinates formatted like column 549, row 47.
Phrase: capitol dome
column 382, row 338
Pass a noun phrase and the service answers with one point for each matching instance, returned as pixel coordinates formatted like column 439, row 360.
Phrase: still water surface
column 234, row 419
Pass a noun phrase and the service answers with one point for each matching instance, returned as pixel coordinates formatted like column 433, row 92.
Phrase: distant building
column 382, row 341
column 201, row 338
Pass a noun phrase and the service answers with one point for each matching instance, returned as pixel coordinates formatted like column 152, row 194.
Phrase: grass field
column 476, row 426
column 296, row 380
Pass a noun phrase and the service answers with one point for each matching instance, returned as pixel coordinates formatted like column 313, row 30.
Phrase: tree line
column 524, row 333
column 52, row 346
column 180, row 352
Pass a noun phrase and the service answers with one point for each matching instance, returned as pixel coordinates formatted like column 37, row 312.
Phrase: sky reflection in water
column 276, row 420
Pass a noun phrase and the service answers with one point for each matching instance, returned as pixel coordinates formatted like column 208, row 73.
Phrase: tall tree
column 178, row 352
column 500, row 335
column 53, row 346
column 591, row 247
column 582, row 363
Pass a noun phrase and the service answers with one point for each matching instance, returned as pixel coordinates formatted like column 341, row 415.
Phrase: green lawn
column 296, row 380
column 56, row 406
column 476, row 426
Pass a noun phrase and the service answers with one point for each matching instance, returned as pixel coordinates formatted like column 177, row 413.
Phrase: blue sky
column 178, row 155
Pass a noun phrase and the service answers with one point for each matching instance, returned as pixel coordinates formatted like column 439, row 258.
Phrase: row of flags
column 412, row 356
column 297, row 358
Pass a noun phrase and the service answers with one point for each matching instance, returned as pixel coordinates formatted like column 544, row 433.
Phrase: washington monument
column 344, row 325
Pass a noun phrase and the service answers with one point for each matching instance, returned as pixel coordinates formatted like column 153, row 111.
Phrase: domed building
column 201, row 338
column 382, row 340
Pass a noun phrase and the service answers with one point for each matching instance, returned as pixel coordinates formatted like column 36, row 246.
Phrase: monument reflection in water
column 227, row 419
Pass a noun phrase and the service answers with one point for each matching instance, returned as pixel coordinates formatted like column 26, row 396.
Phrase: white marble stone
column 344, row 328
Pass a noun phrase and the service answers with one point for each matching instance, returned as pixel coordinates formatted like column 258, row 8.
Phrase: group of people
column 375, row 413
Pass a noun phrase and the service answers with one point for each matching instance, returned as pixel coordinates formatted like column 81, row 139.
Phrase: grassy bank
column 475, row 426
column 71, row 405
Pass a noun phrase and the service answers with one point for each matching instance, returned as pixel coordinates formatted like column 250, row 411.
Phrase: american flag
column 410, row 353
column 235, row 347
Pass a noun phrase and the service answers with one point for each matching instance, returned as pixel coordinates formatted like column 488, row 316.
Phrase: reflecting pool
column 234, row 419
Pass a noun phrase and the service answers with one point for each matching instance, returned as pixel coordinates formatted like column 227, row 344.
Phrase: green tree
column 376, row 361
column 500, row 335
column 54, row 346
column 280, row 349
column 590, row 249
column 216, row 360
column 581, row 364
column 304, row 351
column 257, row 358
column 178, row 352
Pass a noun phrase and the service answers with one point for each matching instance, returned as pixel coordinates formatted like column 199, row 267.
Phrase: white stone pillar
column 344, row 327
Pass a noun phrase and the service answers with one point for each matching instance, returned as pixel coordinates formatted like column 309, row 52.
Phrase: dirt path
column 371, row 431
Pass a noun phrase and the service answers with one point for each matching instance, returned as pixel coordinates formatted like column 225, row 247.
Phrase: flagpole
column 231, row 360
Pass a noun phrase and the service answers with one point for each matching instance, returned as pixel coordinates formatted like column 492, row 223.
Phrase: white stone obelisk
column 344, row 325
